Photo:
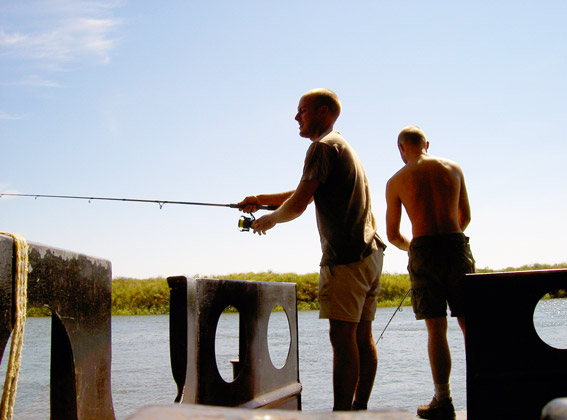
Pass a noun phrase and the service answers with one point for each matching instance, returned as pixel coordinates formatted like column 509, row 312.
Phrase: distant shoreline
column 151, row 296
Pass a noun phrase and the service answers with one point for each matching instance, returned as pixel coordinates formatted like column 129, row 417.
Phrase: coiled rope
column 20, row 297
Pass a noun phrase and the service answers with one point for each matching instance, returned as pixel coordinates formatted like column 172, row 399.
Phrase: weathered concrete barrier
column 511, row 372
column 77, row 289
column 195, row 308
column 555, row 410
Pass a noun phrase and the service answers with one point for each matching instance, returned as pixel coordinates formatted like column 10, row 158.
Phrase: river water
column 141, row 370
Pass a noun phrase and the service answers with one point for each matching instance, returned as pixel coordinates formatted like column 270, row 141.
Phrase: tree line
column 151, row 296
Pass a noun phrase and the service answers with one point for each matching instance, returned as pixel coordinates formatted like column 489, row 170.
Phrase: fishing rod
column 394, row 314
column 245, row 223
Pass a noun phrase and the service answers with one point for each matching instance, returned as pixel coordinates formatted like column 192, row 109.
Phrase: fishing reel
column 245, row 223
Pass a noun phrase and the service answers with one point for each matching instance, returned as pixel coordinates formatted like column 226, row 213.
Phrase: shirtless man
column 434, row 194
column 351, row 264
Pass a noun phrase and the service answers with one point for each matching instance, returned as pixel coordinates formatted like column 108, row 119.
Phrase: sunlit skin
column 433, row 192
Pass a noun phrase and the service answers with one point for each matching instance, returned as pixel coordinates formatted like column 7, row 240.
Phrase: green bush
column 393, row 288
column 307, row 285
column 140, row 297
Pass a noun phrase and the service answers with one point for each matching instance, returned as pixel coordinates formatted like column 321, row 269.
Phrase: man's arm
column 464, row 206
column 250, row 204
column 291, row 208
column 393, row 218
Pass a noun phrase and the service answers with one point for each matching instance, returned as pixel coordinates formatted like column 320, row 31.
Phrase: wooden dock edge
column 204, row 412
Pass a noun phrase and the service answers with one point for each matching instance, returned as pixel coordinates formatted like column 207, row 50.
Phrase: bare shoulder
column 446, row 162
column 395, row 179
column 435, row 164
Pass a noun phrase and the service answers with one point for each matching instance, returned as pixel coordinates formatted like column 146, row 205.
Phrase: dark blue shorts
column 437, row 268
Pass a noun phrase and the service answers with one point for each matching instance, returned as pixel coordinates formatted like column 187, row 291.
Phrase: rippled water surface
column 141, row 371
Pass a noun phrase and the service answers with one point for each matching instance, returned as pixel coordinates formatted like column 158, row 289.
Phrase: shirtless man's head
column 411, row 140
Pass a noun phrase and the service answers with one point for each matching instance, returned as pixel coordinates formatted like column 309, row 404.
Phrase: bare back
column 433, row 193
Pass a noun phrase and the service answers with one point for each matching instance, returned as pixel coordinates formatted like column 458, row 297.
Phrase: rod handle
column 259, row 207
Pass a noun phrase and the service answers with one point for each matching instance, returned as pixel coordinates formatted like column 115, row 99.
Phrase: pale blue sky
column 195, row 101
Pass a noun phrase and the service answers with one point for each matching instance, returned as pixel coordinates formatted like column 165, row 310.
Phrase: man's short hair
column 321, row 97
column 413, row 135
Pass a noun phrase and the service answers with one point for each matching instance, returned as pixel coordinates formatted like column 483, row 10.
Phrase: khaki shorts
column 348, row 292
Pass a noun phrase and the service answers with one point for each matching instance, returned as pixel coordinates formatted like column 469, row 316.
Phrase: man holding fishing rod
column 351, row 265
column 434, row 194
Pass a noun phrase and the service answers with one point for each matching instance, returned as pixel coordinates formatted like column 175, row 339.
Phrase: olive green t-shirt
column 347, row 227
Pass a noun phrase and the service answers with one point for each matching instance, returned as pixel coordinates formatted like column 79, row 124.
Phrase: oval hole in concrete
column 550, row 319
column 279, row 336
column 227, row 337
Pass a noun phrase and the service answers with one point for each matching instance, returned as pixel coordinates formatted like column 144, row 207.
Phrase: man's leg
column 438, row 349
column 368, row 363
column 441, row 406
column 345, row 362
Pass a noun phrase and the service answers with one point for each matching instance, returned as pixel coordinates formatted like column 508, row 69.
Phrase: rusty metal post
column 6, row 292
column 77, row 289
column 196, row 306
column 511, row 372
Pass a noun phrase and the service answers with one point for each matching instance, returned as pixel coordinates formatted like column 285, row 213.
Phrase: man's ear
column 402, row 150
column 323, row 110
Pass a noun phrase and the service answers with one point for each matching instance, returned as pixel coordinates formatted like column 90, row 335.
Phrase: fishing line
column 245, row 223
column 394, row 314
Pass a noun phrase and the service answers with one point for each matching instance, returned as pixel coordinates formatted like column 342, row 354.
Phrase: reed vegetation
column 151, row 296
